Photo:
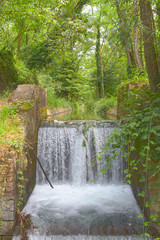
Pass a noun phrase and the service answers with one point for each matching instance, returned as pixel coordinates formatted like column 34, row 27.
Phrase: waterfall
column 84, row 204
column 66, row 152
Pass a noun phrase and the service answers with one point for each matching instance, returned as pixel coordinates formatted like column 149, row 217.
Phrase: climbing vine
column 138, row 137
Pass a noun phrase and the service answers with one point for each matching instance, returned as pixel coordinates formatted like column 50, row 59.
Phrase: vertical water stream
column 76, row 208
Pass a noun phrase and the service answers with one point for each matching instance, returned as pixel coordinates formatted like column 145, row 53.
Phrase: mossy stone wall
column 137, row 186
column 31, row 101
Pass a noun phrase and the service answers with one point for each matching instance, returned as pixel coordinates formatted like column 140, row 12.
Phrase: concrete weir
column 84, row 204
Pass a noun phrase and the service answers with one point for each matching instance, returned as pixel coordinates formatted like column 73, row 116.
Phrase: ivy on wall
column 139, row 133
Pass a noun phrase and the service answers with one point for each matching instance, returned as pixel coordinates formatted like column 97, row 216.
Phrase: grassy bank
column 10, row 127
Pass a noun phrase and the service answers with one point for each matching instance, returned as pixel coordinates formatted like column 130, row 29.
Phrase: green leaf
column 142, row 179
column 157, row 149
column 141, row 194
column 154, row 217
column 147, row 234
column 147, row 205
column 146, row 224
column 153, row 198
column 129, row 181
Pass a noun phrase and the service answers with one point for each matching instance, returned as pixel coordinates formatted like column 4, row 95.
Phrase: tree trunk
column 100, row 85
column 128, row 54
column 141, row 48
column 136, row 52
column 101, row 65
column 19, row 44
column 149, row 48
column 158, row 25
column 122, row 27
column 26, row 49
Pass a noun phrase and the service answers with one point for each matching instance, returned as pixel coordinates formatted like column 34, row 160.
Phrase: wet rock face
column 31, row 102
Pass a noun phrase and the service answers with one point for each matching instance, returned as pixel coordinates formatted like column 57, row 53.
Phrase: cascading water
column 77, row 209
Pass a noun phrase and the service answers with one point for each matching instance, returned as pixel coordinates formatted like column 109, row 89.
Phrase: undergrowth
column 101, row 106
column 10, row 127
column 53, row 101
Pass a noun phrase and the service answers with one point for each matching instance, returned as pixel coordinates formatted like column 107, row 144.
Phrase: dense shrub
column 8, row 71
column 102, row 106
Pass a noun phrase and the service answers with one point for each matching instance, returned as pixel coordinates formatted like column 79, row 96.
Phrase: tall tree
column 125, row 34
column 136, row 30
column 100, row 84
column 149, row 47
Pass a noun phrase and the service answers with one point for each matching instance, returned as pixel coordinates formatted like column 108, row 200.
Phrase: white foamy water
column 76, row 209
column 90, row 209
column 83, row 237
column 66, row 153
column 69, row 200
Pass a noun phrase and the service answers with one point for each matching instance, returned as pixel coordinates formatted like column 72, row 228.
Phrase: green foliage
column 25, row 76
column 114, row 71
column 9, row 125
column 81, row 115
column 140, row 132
column 11, row 137
column 56, row 55
column 102, row 106
column 40, row 55
column 53, row 101
column 5, row 93
column 8, row 72
column 13, row 72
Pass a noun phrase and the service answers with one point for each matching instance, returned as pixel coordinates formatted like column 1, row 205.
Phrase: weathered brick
column 10, row 194
column 10, row 170
column 9, row 165
column 11, row 179
column 10, row 187
column 8, row 205
column 6, row 238
column 7, row 215
column 7, row 227
column 2, row 189
column 7, row 198
column 10, row 175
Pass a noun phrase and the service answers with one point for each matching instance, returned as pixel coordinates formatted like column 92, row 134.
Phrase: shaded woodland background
column 81, row 50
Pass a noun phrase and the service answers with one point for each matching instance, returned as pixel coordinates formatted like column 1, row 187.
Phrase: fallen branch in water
column 44, row 172
column 40, row 165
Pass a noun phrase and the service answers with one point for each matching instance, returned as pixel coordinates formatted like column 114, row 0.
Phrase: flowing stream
column 84, row 204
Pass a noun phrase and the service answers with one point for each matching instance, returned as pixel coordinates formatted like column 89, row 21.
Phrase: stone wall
column 31, row 102
column 137, row 187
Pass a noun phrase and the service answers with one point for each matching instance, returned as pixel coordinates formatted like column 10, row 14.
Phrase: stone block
column 10, row 187
column 8, row 205
column 7, row 228
column 2, row 189
column 6, row 238
column 10, row 195
column 7, row 215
